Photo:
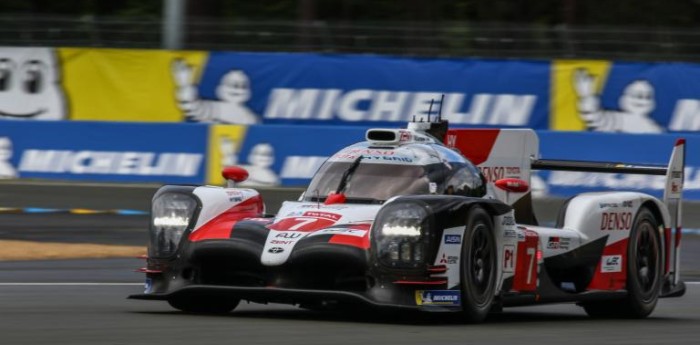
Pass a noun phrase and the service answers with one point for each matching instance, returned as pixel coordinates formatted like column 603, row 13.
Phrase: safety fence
column 440, row 38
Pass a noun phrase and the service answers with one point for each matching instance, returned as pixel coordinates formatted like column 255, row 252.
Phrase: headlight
column 170, row 216
column 403, row 221
column 400, row 234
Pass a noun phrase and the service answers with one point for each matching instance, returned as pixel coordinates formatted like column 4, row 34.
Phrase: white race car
column 423, row 218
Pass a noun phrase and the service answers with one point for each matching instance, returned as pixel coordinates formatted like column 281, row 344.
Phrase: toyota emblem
column 275, row 250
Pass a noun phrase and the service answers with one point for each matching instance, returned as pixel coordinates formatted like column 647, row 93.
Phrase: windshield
column 370, row 182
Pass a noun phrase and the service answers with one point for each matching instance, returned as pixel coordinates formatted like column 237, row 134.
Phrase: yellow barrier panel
column 123, row 85
column 225, row 142
column 569, row 78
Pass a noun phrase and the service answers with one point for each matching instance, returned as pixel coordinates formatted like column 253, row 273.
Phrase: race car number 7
column 531, row 255
column 301, row 222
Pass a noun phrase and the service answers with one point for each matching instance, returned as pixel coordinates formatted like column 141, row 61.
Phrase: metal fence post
column 173, row 28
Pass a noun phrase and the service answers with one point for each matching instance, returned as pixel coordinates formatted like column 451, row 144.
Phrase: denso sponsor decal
column 384, row 105
column 453, row 239
column 616, row 221
column 110, row 162
column 438, row 297
column 611, row 263
column 496, row 173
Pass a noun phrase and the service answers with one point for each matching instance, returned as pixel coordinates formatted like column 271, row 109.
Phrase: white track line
column 71, row 284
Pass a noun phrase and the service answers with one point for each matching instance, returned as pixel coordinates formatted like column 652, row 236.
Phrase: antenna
column 442, row 98
column 430, row 110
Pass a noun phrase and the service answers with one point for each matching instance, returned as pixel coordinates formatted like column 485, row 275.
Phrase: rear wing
column 673, row 190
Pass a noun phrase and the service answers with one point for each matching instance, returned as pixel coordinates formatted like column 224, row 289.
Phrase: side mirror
column 512, row 185
column 234, row 174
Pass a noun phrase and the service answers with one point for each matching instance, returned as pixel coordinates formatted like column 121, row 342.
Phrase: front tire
column 478, row 266
column 644, row 272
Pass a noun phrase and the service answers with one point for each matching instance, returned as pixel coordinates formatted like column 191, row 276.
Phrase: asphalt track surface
column 84, row 302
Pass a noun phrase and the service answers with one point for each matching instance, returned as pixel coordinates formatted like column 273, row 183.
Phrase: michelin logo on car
column 438, row 297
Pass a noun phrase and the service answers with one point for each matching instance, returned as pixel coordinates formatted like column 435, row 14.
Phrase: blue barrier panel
column 290, row 155
column 369, row 90
column 102, row 151
column 626, row 148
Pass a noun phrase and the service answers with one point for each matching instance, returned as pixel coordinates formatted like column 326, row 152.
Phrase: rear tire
column 478, row 274
column 644, row 273
column 203, row 305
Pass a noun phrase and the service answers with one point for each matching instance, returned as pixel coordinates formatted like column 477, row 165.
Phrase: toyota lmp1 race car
column 423, row 218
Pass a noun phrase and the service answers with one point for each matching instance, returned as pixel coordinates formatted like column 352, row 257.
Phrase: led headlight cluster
column 170, row 217
column 400, row 234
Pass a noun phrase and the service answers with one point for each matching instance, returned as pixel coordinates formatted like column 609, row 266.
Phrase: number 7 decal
column 525, row 278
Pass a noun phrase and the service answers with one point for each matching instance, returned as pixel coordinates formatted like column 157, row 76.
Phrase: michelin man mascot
column 260, row 161
column 6, row 169
column 232, row 92
column 636, row 104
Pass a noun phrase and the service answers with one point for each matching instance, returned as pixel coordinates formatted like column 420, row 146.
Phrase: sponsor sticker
column 453, row 239
column 611, row 263
column 448, row 259
column 508, row 258
column 148, row 285
column 438, row 297
column 340, row 231
column 558, row 243
column 508, row 220
column 324, row 215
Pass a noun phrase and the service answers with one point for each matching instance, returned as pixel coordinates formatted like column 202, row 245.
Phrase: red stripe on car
column 475, row 144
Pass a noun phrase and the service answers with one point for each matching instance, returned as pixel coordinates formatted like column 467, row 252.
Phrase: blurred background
column 639, row 30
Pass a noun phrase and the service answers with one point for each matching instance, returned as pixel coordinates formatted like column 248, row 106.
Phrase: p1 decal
column 508, row 258
column 438, row 297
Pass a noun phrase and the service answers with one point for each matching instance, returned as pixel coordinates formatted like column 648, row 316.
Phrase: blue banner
column 103, row 151
column 290, row 155
column 288, row 88
column 608, row 147
column 666, row 93
column 630, row 97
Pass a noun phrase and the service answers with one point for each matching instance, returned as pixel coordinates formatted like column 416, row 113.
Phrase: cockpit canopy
column 374, row 174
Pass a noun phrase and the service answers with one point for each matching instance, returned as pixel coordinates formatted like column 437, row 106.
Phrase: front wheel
column 644, row 273
column 478, row 266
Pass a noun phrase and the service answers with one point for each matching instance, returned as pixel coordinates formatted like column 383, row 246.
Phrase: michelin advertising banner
column 288, row 156
column 101, row 151
column 604, row 96
column 270, row 88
